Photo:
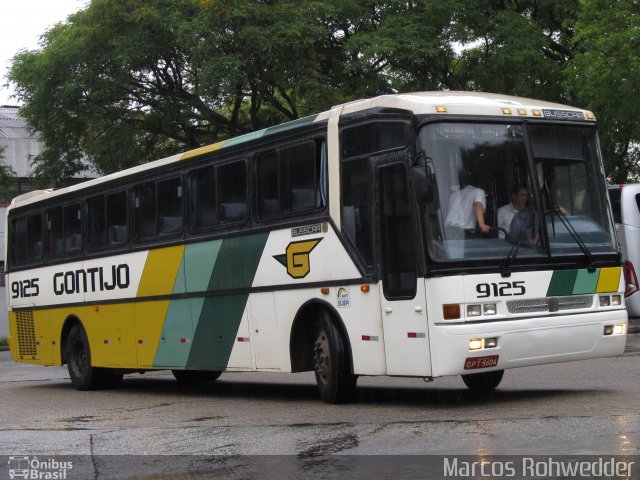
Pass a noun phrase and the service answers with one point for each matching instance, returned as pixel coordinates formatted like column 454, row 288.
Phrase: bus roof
column 437, row 103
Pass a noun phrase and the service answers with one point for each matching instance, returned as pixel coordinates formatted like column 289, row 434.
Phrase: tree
column 7, row 175
column 516, row 47
column 604, row 76
column 121, row 83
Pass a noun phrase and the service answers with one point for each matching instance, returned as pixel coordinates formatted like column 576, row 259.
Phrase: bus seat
column 170, row 224
column 303, row 198
column 118, row 234
column 233, row 211
column 73, row 242
column 37, row 249
column 268, row 207
column 206, row 217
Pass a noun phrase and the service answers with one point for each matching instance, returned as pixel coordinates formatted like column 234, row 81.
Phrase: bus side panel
column 360, row 315
column 110, row 332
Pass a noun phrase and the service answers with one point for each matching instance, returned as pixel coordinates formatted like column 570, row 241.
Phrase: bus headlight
column 617, row 329
column 489, row 309
column 482, row 343
column 474, row 310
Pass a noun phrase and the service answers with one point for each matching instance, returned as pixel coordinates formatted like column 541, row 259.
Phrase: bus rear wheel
column 331, row 364
column 83, row 375
column 483, row 382
column 194, row 377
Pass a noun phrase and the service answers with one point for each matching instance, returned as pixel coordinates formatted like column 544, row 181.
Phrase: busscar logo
column 296, row 259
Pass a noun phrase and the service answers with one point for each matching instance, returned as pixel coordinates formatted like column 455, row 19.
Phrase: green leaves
column 121, row 83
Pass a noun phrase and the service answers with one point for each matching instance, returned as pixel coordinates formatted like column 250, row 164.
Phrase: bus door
column 403, row 303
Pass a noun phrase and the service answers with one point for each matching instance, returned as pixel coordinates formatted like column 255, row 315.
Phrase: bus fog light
column 619, row 329
column 608, row 329
column 616, row 300
column 489, row 309
column 490, row 342
column 476, row 344
column 605, row 301
column 474, row 310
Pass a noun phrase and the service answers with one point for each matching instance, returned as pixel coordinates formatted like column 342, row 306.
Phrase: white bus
column 341, row 243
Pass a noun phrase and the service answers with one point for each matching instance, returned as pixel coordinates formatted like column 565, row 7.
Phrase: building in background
column 19, row 148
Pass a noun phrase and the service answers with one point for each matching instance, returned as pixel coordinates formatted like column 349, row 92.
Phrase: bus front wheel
column 331, row 364
column 483, row 382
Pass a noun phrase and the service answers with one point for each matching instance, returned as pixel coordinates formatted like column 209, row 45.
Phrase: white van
column 625, row 205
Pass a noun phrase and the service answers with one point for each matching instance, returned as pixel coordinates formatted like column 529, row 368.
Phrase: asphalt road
column 580, row 408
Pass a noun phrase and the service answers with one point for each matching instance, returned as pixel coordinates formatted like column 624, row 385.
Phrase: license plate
column 481, row 362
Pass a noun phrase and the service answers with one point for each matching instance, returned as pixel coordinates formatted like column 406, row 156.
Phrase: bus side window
column 298, row 182
column 203, row 198
column 19, row 239
column 72, row 221
column 288, row 180
column 232, row 191
column 268, row 184
column 96, row 223
column 145, row 224
column 170, row 213
column 356, row 202
column 117, row 225
column 55, row 233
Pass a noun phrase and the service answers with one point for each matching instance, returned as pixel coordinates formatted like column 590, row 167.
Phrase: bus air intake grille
column 26, row 333
column 550, row 304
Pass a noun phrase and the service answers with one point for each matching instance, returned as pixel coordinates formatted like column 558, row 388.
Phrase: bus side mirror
column 423, row 182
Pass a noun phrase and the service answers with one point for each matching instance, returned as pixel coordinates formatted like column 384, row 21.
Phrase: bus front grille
column 26, row 333
column 550, row 304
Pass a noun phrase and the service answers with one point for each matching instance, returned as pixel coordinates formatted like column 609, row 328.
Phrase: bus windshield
column 489, row 200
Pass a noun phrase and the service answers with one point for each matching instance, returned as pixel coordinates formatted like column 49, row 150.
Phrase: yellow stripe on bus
column 202, row 150
column 160, row 271
column 149, row 320
column 609, row 280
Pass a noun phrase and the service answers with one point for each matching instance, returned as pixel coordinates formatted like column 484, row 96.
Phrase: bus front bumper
column 526, row 342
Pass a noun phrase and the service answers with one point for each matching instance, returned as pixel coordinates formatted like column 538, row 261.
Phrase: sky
column 22, row 24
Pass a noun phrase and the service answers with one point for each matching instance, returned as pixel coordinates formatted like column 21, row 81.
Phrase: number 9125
column 501, row 289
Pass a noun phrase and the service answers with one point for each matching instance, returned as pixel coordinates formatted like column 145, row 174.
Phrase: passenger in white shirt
column 466, row 212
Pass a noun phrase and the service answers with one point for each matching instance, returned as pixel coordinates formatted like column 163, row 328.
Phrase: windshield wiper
column 572, row 231
column 505, row 267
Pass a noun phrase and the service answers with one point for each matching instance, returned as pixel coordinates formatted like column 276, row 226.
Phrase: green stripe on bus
column 237, row 262
column 199, row 260
column 562, row 282
column 586, row 282
column 215, row 335
column 216, row 327
column 200, row 333
column 175, row 342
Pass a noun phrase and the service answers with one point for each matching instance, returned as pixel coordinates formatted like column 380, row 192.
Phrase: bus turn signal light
column 451, row 311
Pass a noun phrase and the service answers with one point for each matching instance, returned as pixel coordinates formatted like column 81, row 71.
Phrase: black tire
column 332, row 364
column 83, row 375
column 195, row 377
column 483, row 382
